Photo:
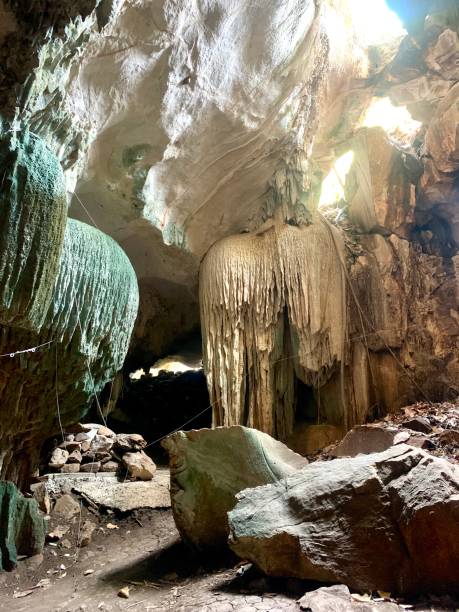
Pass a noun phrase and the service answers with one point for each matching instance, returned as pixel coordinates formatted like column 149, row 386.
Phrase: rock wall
column 66, row 286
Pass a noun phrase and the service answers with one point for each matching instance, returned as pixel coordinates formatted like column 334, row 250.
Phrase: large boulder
column 210, row 466
column 22, row 526
column 387, row 521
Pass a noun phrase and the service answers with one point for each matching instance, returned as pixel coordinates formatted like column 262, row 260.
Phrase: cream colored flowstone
column 272, row 307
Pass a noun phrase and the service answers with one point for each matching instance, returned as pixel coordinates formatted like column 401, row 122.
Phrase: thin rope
column 86, row 210
column 33, row 349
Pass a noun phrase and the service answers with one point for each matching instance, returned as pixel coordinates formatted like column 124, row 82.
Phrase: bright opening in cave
column 375, row 23
column 333, row 184
column 396, row 121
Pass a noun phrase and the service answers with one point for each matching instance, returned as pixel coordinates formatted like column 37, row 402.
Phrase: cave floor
column 143, row 553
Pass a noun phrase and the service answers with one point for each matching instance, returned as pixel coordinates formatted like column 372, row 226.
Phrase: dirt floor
column 143, row 551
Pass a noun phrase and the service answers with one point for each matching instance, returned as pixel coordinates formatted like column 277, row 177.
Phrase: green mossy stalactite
column 75, row 290
column 22, row 527
column 32, row 222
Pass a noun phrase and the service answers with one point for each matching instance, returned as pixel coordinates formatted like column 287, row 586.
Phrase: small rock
column 101, row 444
column 110, row 466
column 139, row 465
column 421, row 442
column 70, row 446
column 102, row 457
column 70, row 468
column 105, row 431
column 66, row 506
column 57, row 533
column 367, row 439
column 418, row 423
column 69, row 437
column 74, row 457
column 40, row 493
column 90, row 467
column 85, row 446
column 81, row 437
column 59, row 457
column 87, row 529
column 130, row 442
column 124, row 592
column 449, row 437
column 88, row 572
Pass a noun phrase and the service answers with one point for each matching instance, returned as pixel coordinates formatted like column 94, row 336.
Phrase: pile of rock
column 432, row 427
column 93, row 448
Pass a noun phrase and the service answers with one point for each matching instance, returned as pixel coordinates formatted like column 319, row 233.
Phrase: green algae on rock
column 22, row 526
column 32, row 223
column 62, row 283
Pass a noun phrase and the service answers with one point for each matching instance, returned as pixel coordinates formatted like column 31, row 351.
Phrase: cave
column 229, row 289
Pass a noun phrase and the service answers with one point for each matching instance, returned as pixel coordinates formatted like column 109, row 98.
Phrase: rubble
column 92, row 448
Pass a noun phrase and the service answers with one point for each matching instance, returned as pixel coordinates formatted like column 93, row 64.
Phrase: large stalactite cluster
column 273, row 307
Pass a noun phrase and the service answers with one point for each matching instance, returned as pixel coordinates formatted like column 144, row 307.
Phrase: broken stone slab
column 210, row 466
column 366, row 439
column 59, row 457
column 22, row 526
column 337, row 598
column 105, row 490
column 139, row 465
column 386, row 521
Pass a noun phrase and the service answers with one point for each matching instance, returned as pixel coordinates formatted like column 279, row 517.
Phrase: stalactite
column 272, row 306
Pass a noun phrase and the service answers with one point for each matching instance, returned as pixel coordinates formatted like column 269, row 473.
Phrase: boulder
column 23, row 528
column 366, row 439
column 139, row 465
column 59, row 457
column 386, row 521
column 210, row 466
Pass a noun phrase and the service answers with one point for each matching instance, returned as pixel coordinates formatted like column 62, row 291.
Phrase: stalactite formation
column 272, row 307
